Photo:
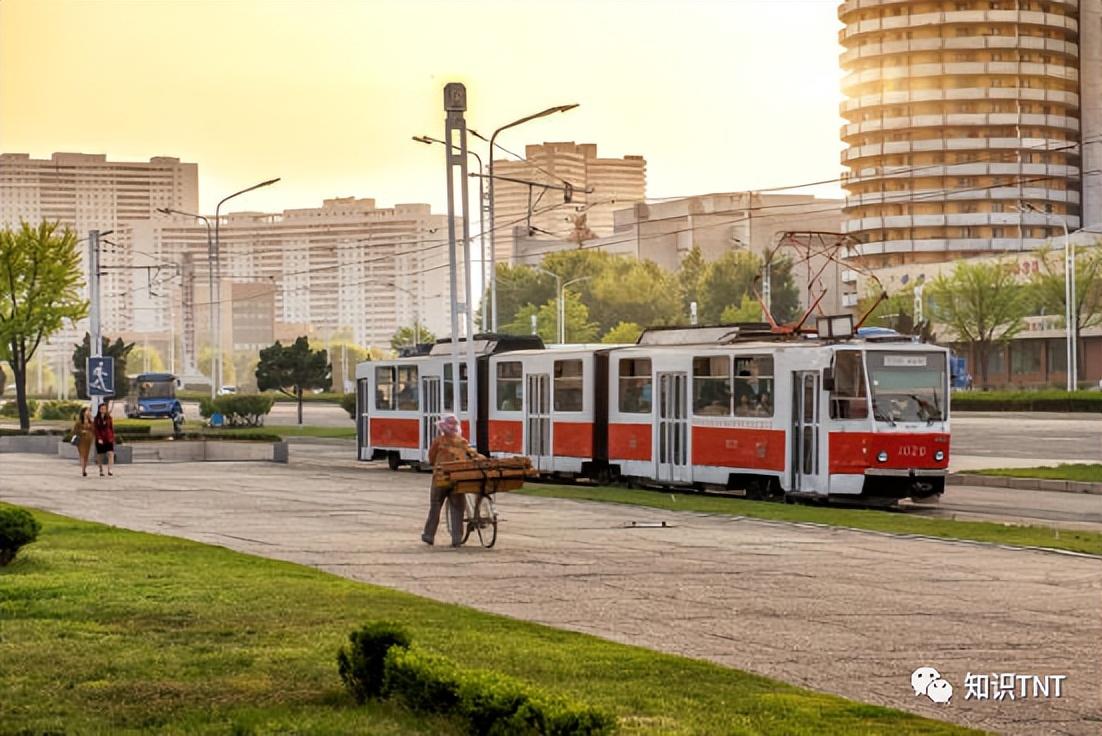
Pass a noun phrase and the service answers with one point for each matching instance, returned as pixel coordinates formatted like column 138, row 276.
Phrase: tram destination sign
column 904, row 361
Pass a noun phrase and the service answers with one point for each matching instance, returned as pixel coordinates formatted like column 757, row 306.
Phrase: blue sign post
column 101, row 376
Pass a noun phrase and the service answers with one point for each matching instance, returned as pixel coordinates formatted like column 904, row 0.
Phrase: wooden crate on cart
column 490, row 475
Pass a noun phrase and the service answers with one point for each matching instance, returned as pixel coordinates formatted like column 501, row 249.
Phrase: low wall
column 41, row 444
column 186, row 451
column 124, row 454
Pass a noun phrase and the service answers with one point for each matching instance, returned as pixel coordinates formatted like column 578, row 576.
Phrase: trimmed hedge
column 491, row 703
column 59, row 409
column 10, row 409
column 17, row 529
column 361, row 664
column 1046, row 400
column 238, row 410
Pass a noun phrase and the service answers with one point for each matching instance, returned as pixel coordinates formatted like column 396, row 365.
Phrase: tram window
column 568, row 385
column 849, row 400
column 753, row 395
column 407, row 388
column 712, row 386
column 449, row 405
column 509, row 385
column 384, row 388
column 635, row 385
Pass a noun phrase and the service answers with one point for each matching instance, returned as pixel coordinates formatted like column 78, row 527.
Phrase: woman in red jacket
column 105, row 438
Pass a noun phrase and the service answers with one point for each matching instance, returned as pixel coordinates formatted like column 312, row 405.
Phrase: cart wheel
column 485, row 516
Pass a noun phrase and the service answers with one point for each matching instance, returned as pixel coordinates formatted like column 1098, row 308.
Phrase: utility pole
column 95, row 341
column 455, row 104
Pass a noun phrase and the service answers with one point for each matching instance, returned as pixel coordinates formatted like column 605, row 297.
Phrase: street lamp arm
column 243, row 191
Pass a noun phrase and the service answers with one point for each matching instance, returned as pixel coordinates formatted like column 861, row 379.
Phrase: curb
column 1025, row 484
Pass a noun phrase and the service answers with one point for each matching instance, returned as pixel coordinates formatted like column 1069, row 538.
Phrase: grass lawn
column 870, row 519
column 112, row 631
column 1089, row 473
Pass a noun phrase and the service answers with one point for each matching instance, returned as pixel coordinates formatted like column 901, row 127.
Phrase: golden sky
column 717, row 95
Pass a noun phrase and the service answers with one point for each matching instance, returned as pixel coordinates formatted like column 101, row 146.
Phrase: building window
column 635, row 386
column 1057, row 355
column 510, row 377
column 996, row 363
column 712, row 386
column 754, row 386
column 1025, row 357
column 568, row 385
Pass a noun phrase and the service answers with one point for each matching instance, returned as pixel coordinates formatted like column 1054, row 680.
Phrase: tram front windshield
column 908, row 386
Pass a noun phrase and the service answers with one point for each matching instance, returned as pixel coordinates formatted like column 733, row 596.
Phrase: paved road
column 1040, row 437
column 316, row 413
column 846, row 612
column 1041, row 508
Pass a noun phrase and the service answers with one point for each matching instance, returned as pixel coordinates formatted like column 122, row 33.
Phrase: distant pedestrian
column 449, row 446
column 85, row 433
column 104, row 429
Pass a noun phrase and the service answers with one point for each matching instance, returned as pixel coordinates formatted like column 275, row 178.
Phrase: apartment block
column 972, row 126
column 600, row 186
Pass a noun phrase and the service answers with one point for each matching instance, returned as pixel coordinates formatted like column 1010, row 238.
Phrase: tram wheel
column 393, row 460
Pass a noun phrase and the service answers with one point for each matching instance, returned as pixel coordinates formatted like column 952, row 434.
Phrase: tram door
column 673, row 428
column 806, row 473
column 537, row 420
column 430, row 412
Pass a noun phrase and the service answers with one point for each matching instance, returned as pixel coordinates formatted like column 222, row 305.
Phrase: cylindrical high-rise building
column 965, row 133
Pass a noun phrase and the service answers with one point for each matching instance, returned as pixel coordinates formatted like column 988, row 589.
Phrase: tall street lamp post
column 481, row 218
column 217, row 356
column 210, row 287
column 1071, row 317
column 416, row 314
column 493, row 224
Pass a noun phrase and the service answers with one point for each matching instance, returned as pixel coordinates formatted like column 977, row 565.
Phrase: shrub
column 1042, row 400
column 491, row 703
column 67, row 410
column 361, row 664
column 11, row 408
column 17, row 528
column 348, row 403
column 424, row 681
column 238, row 410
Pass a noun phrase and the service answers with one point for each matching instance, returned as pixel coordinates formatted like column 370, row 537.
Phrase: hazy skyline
column 718, row 96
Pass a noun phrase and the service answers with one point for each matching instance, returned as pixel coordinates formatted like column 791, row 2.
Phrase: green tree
column 118, row 350
column 293, row 370
column 407, row 336
column 627, row 290
column 690, row 277
column 1048, row 286
column 516, row 287
column 229, row 369
column 40, row 275
column 578, row 327
column 982, row 303
column 897, row 312
column 147, row 359
column 748, row 311
column 623, row 333
column 735, row 275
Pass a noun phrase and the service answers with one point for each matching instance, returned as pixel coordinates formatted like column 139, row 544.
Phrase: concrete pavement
column 847, row 612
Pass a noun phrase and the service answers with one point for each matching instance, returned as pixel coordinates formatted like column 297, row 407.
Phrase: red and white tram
column 856, row 418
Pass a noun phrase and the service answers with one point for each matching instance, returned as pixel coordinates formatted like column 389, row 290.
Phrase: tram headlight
column 939, row 455
column 882, row 457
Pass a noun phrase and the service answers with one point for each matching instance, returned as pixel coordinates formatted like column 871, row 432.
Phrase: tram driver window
column 407, row 388
column 635, row 386
column 384, row 388
column 568, row 385
column 510, row 377
column 753, row 395
column 848, row 400
column 712, row 386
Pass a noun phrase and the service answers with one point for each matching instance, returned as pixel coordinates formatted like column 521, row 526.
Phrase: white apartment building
column 615, row 184
column 347, row 265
